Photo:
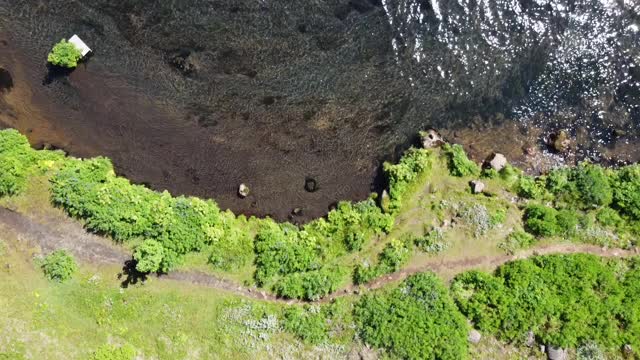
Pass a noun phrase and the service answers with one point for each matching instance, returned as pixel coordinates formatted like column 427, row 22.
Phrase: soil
column 51, row 234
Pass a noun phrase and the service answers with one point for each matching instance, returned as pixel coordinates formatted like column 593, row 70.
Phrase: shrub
column 568, row 221
column 284, row 249
column 626, row 191
column 395, row 254
column 233, row 250
column 149, row 256
column 540, row 220
column 593, row 185
column 308, row 323
column 609, row 217
column 417, row 320
column 64, row 54
column 59, row 266
column 589, row 351
column 16, row 158
column 311, row 285
column 515, row 241
column 401, row 176
column 111, row 352
column 563, row 299
column 498, row 217
column 432, row 242
column 459, row 163
column 530, row 188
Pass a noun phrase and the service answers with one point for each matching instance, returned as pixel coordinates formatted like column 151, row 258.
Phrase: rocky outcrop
column 431, row 139
column 477, row 186
column 474, row 336
column 497, row 162
column 560, row 141
column 554, row 353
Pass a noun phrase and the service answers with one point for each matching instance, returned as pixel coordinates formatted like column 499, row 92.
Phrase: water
column 199, row 96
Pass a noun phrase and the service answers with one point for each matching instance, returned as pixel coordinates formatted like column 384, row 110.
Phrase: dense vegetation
column 565, row 300
column 59, row 266
column 417, row 320
column 64, row 54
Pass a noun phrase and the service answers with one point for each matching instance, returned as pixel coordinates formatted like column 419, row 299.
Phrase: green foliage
column 540, row 220
column 593, row 186
column 64, row 54
column 626, row 191
column 459, row 163
column 609, row 217
column 490, row 173
column 111, row 205
column 510, row 174
column 17, row 159
column 395, row 254
column 284, row 249
column 149, row 256
column 310, row 285
column 59, row 266
column 432, row 242
column 530, row 188
column 111, row 352
column 402, row 176
column 234, row 249
column 308, row 323
column 515, row 241
column 565, row 300
column 417, row 320
column 498, row 217
column 568, row 220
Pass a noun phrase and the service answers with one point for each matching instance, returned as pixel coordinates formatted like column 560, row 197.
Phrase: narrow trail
column 54, row 233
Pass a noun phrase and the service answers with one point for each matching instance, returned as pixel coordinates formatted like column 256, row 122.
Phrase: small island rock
column 243, row 191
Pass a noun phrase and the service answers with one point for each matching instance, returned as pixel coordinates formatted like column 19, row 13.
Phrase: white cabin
column 84, row 49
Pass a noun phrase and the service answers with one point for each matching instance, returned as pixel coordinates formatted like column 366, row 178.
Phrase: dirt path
column 54, row 233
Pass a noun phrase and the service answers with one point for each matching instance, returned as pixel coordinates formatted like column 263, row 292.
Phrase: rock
column 530, row 340
column 627, row 350
column 477, row 186
column 474, row 336
column 385, row 201
column 561, row 141
column 310, row 185
column 296, row 212
column 243, row 191
column 431, row 139
column 498, row 162
column 554, row 353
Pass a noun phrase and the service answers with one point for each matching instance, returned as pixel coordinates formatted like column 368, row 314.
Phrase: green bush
column 417, row 320
column 609, row 217
column 149, row 256
column 308, row 323
column 540, row 220
column 515, row 241
column 432, row 242
column 111, row 352
column 59, row 266
column 592, row 183
column 564, row 299
column 16, row 159
column 402, row 176
column 234, row 249
column 530, row 188
column 64, row 54
column 568, row 221
column 310, row 285
column 626, row 191
column 459, row 163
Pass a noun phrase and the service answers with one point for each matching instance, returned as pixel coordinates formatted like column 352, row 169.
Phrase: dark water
column 199, row 96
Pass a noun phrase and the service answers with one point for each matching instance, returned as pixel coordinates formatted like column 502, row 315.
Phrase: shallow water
column 199, row 96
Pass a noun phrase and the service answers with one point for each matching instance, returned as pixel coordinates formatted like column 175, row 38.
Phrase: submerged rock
column 561, row 141
column 243, row 191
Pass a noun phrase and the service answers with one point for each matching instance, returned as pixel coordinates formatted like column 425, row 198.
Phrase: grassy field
column 40, row 319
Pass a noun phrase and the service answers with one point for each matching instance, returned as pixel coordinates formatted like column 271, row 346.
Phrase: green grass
column 41, row 319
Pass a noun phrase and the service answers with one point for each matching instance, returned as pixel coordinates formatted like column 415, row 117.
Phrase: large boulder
column 477, row 186
column 554, row 353
column 431, row 139
column 497, row 161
